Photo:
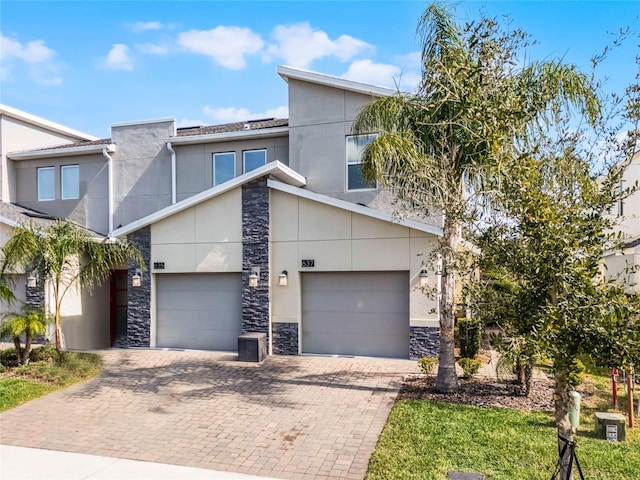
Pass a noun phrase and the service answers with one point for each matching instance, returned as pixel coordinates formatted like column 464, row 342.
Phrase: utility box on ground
column 611, row 426
column 252, row 347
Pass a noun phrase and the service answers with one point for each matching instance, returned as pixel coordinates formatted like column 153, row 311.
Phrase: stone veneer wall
column 34, row 296
column 139, row 309
column 423, row 342
column 255, row 253
column 285, row 338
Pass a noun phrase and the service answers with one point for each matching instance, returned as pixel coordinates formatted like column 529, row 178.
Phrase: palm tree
column 66, row 256
column 30, row 321
column 438, row 148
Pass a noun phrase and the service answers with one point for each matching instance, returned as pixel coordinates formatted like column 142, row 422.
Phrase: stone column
column 139, row 304
column 255, row 255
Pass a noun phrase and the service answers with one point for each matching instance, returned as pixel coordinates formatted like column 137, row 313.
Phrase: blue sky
column 93, row 63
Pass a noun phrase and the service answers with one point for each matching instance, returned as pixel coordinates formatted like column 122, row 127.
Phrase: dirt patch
column 481, row 392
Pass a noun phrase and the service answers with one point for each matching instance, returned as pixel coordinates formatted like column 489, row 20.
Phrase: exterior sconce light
column 283, row 279
column 136, row 280
column 254, row 277
column 423, row 277
column 32, row 281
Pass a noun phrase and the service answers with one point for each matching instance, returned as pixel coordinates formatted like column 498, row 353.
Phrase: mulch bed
column 480, row 392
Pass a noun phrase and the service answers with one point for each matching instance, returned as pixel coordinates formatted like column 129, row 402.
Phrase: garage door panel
column 356, row 313
column 199, row 311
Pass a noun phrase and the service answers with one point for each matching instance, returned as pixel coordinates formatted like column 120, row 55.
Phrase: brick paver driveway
column 289, row 417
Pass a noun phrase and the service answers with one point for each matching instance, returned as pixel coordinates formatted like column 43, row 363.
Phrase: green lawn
column 46, row 373
column 424, row 440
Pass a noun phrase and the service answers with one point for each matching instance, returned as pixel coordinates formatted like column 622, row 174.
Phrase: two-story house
column 259, row 226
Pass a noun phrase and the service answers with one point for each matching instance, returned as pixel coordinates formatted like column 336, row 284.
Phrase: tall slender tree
column 477, row 98
column 66, row 257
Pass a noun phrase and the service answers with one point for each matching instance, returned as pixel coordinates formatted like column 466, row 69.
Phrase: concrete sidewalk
column 20, row 463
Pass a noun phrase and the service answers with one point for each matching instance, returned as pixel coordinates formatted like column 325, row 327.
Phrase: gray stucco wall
column 141, row 170
column 194, row 163
column 89, row 210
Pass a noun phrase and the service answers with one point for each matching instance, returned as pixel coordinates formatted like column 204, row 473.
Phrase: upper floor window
column 46, row 183
column 355, row 146
column 254, row 159
column 224, row 167
column 70, row 182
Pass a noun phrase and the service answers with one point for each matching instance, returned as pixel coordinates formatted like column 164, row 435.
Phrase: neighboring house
column 259, row 226
column 625, row 265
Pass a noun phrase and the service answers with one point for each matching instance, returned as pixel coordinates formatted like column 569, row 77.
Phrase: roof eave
column 225, row 136
column 43, row 123
column 62, row 152
column 335, row 82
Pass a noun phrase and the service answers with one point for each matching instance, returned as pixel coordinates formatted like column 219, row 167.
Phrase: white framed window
column 46, row 184
column 355, row 146
column 224, row 167
column 252, row 159
column 70, row 182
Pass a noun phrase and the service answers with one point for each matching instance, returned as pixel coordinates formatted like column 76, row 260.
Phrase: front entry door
column 119, row 303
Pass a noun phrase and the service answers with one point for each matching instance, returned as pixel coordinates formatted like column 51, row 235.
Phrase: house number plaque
column 158, row 265
column 308, row 263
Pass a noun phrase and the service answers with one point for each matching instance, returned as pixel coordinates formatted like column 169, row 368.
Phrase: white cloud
column 366, row 71
column 118, row 58
column 233, row 114
column 152, row 48
column 33, row 52
column 228, row 46
column 299, row 45
column 34, row 55
column 144, row 26
column 386, row 75
column 187, row 122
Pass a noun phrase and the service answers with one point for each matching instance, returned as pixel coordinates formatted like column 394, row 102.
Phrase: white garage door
column 356, row 313
column 199, row 311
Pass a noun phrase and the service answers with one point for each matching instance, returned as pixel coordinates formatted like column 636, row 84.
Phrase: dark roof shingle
column 234, row 127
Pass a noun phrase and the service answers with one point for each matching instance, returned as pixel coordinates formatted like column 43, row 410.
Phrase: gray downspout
column 173, row 173
column 110, row 188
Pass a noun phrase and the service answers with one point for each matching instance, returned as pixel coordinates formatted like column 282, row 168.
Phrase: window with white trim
column 46, row 184
column 355, row 146
column 252, row 159
column 224, row 167
column 70, row 182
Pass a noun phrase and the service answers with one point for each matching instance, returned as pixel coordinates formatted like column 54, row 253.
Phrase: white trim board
column 275, row 168
column 353, row 207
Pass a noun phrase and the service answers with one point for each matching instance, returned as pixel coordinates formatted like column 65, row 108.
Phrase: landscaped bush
column 428, row 364
column 43, row 353
column 8, row 357
column 470, row 366
column 470, row 337
column 577, row 372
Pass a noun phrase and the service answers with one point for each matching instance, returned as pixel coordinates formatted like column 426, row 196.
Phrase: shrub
column 44, row 353
column 470, row 366
column 8, row 357
column 470, row 336
column 428, row 364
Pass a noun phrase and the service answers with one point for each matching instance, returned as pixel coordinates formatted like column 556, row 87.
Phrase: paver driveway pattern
column 289, row 417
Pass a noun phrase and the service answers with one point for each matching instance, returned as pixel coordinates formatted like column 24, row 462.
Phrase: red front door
column 119, row 303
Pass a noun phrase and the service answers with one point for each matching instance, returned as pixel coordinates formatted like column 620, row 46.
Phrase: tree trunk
column 16, row 344
column 58, row 327
column 447, row 380
column 562, row 401
column 27, row 346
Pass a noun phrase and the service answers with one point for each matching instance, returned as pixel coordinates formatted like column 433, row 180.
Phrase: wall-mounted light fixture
column 254, row 277
column 283, row 279
column 32, row 281
column 136, row 280
column 423, row 277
